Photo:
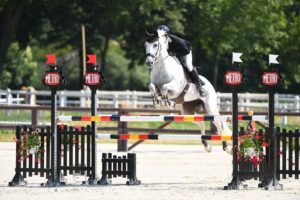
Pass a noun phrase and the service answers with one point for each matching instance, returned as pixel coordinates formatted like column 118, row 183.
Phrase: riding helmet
column 164, row 28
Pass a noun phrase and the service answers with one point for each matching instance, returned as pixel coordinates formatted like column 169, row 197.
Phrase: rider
column 182, row 49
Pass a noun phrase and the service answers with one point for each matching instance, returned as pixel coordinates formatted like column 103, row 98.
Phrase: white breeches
column 189, row 61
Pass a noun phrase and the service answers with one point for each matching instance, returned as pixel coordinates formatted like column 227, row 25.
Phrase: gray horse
column 169, row 84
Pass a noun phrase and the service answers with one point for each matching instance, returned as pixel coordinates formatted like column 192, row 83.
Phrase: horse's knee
column 152, row 88
column 164, row 90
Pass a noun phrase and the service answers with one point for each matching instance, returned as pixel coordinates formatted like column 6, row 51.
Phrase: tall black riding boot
column 199, row 83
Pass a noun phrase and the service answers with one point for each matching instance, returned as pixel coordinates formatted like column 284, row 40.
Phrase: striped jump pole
column 164, row 137
column 161, row 118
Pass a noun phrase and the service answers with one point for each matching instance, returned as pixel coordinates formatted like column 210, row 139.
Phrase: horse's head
column 156, row 45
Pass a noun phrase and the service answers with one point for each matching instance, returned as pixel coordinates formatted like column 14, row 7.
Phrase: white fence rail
column 136, row 99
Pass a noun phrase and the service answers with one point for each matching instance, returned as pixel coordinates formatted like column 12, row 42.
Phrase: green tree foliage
column 118, row 75
column 290, row 48
column 255, row 28
column 115, row 32
column 20, row 68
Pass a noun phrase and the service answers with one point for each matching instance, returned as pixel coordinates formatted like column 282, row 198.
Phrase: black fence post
column 34, row 116
column 92, row 178
column 93, row 78
column 104, row 179
column 122, row 144
column 53, row 79
column 18, row 178
column 132, row 170
column 271, row 79
column 273, row 183
column 235, row 78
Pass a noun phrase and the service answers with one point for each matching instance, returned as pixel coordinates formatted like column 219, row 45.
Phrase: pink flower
column 255, row 160
column 61, row 126
column 264, row 144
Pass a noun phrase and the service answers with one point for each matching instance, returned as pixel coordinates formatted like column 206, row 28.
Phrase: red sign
column 270, row 78
column 52, row 78
column 92, row 78
column 233, row 78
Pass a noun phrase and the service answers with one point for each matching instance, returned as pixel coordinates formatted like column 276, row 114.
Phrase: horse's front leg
column 154, row 94
column 167, row 93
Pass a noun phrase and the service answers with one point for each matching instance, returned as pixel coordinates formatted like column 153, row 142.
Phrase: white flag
column 272, row 59
column 236, row 57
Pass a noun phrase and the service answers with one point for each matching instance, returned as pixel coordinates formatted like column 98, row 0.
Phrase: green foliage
column 119, row 76
column 20, row 69
column 215, row 28
column 290, row 48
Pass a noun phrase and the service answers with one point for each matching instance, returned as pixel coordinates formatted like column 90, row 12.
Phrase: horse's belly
column 192, row 93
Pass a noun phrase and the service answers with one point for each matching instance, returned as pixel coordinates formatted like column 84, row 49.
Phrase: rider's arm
column 180, row 45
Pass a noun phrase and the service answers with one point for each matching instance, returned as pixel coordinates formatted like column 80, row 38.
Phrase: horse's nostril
column 149, row 63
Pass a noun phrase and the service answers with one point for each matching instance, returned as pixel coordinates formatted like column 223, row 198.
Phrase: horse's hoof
column 228, row 150
column 208, row 149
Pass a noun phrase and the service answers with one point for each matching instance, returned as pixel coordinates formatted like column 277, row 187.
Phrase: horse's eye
column 155, row 45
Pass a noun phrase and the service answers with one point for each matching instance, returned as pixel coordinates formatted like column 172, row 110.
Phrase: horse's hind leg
column 201, row 125
column 222, row 127
column 190, row 108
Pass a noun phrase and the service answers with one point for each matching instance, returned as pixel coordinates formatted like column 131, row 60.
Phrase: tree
column 10, row 15
column 20, row 68
column 220, row 27
column 290, row 47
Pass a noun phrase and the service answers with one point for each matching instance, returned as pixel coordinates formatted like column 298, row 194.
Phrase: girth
column 180, row 98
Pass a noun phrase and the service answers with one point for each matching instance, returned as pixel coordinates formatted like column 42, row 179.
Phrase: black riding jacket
column 178, row 46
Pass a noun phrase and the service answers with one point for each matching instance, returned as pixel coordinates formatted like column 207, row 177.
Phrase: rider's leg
column 195, row 76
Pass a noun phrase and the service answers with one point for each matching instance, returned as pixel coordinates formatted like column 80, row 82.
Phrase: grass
column 7, row 136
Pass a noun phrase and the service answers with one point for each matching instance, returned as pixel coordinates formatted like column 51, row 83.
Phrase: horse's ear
column 147, row 34
column 150, row 33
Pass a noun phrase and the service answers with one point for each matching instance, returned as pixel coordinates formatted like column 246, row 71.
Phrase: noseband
column 155, row 56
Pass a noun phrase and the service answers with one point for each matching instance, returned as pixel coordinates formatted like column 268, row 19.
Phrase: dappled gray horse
column 169, row 84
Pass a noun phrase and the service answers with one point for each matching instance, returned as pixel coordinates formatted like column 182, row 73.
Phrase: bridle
column 155, row 56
